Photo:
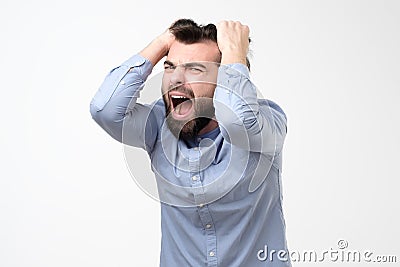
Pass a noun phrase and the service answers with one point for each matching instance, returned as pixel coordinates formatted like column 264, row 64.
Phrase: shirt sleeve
column 248, row 122
column 114, row 105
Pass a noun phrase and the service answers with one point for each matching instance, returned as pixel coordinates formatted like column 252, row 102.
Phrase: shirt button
column 208, row 226
column 196, row 148
column 201, row 205
column 212, row 254
column 122, row 82
column 195, row 178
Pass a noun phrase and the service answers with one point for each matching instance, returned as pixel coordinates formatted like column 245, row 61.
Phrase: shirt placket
column 202, row 207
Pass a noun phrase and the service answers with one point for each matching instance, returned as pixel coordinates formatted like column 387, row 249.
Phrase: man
column 215, row 147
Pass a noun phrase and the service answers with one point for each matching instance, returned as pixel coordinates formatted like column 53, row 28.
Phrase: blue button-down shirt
column 220, row 193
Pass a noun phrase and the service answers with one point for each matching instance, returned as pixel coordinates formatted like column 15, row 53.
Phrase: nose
column 178, row 76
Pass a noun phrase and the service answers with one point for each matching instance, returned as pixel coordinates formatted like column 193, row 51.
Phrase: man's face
column 188, row 86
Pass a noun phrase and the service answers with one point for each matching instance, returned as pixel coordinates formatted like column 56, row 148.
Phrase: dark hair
column 189, row 32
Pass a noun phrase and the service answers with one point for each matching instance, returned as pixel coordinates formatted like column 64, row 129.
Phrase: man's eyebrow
column 167, row 62
column 186, row 65
column 194, row 64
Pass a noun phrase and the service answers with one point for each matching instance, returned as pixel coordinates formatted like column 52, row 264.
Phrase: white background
column 66, row 195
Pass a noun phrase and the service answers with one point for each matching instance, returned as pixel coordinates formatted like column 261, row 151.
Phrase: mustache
column 181, row 89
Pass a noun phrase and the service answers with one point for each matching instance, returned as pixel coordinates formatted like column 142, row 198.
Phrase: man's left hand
column 233, row 41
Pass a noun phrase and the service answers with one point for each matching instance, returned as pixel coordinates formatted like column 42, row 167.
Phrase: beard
column 188, row 129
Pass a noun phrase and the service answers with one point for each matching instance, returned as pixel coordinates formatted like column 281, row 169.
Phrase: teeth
column 177, row 96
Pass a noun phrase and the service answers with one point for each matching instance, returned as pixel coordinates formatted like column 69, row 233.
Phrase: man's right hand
column 158, row 48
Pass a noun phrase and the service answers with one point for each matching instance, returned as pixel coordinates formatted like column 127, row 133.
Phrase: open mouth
column 182, row 105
